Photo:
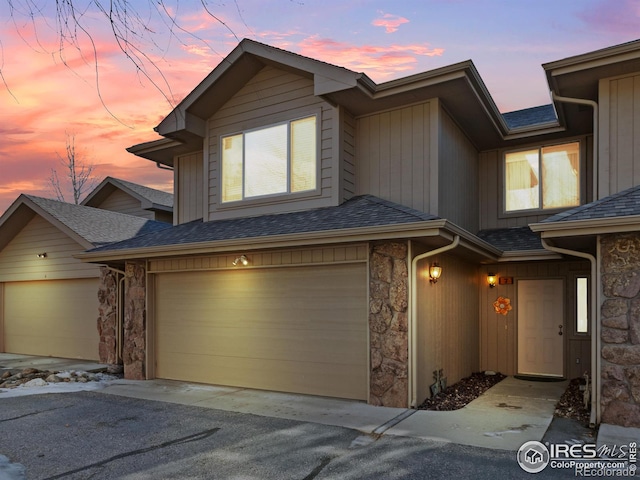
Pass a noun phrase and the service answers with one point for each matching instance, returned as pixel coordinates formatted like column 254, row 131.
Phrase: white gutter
column 594, row 105
column 413, row 337
column 594, row 418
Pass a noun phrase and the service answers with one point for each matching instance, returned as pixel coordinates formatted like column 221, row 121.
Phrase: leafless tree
column 142, row 30
column 78, row 177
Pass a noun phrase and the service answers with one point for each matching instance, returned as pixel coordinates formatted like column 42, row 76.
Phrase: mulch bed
column 571, row 403
column 456, row 396
column 461, row 393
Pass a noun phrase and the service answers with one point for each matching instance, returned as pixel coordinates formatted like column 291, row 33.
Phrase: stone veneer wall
column 620, row 309
column 388, row 302
column 107, row 316
column 135, row 322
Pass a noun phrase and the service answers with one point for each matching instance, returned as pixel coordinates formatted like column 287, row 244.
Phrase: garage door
column 294, row 329
column 52, row 318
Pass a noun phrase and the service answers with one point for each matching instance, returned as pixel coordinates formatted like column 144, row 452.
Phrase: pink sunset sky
column 96, row 94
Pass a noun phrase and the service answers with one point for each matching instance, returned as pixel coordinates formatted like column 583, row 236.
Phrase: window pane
column 232, row 168
column 560, row 176
column 582, row 306
column 265, row 161
column 521, row 180
column 303, row 154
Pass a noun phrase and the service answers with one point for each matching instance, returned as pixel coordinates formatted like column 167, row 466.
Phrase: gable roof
column 459, row 87
column 150, row 198
column 90, row 227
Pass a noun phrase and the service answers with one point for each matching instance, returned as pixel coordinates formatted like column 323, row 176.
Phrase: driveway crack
column 189, row 438
column 30, row 414
column 314, row 473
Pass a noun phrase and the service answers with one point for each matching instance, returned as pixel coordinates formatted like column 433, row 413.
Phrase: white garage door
column 294, row 329
column 52, row 318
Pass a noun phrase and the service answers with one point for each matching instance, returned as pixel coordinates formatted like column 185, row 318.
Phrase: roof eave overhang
column 592, row 227
column 416, row 230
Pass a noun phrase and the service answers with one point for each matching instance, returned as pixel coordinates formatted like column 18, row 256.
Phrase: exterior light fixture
column 42, row 255
column 435, row 271
column 492, row 279
column 241, row 260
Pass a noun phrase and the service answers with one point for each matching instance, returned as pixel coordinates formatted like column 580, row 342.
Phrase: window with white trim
column 582, row 305
column 542, row 178
column 273, row 160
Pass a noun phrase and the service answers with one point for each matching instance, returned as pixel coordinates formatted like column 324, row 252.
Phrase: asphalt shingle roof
column 622, row 204
column 362, row 211
column 530, row 116
column 157, row 197
column 98, row 227
column 512, row 239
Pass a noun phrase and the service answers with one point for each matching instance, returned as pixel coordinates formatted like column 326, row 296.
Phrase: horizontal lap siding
column 272, row 96
column 19, row 262
column 122, row 202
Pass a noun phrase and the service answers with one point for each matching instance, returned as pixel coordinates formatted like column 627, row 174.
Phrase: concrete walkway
column 509, row 414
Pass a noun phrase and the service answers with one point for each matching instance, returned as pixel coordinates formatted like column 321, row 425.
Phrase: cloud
column 620, row 17
column 376, row 61
column 389, row 22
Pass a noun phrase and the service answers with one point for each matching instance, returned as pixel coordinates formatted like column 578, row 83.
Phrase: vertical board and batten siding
column 122, row 202
column 619, row 159
column 189, row 186
column 272, row 96
column 498, row 333
column 348, row 156
column 458, row 176
column 491, row 187
column 448, row 323
column 18, row 260
column 395, row 150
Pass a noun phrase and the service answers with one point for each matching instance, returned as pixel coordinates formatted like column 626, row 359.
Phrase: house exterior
column 313, row 205
column 131, row 198
column 48, row 298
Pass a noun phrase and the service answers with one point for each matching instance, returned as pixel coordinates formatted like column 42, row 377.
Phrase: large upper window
column 268, row 161
column 543, row 178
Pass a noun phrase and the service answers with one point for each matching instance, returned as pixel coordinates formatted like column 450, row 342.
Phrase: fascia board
column 528, row 256
column 630, row 223
column 599, row 58
column 386, row 232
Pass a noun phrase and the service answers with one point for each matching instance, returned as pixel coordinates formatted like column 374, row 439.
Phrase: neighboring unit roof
column 359, row 212
column 90, row 226
column 530, row 116
column 512, row 239
column 150, row 198
column 622, row 204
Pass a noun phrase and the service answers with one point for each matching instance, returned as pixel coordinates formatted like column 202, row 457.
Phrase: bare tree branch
column 79, row 173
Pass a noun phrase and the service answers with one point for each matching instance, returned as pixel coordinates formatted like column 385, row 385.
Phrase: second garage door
column 293, row 329
column 52, row 318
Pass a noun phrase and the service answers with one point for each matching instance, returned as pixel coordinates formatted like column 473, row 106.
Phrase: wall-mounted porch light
column 435, row 271
column 241, row 260
column 42, row 255
column 492, row 279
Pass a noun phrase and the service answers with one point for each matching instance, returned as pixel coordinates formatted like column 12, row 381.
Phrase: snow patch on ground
column 39, row 387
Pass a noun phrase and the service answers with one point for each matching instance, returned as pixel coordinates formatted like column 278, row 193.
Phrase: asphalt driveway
column 94, row 435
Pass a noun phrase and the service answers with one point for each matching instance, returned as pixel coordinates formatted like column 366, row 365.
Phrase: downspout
column 594, row 105
column 119, row 319
column 594, row 417
column 413, row 344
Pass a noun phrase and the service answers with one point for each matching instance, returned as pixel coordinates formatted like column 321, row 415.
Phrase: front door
column 540, row 327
